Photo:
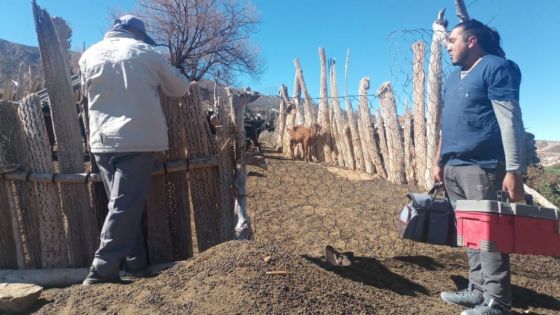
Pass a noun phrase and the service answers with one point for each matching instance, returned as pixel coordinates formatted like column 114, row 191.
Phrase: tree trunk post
column 408, row 148
column 238, row 103
column 393, row 130
column 439, row 28
column 380, row 126
column 367, row 126
column 419, row 112
column 325, row 139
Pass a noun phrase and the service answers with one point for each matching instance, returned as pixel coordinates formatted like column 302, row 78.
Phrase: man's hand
column 437, row 173
column 513, row 185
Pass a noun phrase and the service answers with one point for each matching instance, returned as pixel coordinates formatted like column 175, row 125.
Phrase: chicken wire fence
column 340, row 202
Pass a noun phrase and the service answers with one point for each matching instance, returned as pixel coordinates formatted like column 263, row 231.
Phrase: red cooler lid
column 491, row 206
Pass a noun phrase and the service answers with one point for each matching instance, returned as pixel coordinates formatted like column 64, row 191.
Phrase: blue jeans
column 126, row 177
column 488, row 271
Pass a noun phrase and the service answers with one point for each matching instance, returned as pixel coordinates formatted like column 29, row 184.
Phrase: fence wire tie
column 225, row 144
column 87, row 177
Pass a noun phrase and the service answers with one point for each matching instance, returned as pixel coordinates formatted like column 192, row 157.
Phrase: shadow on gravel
column 423, row 261
column 370, row 271
column 522, row 297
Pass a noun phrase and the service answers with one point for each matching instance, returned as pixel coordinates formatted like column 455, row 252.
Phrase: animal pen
column 52, row 210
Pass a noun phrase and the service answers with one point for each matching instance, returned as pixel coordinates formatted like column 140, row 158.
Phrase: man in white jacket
column 120, row 77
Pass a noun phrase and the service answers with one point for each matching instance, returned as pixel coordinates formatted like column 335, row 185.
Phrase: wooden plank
column 82, row 227
column 203, row 183
column 54, row 245
column 226, row 167
column 24, row 203
column 177, row 196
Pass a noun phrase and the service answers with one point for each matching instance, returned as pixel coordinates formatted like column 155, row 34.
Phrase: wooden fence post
column 54, row 245
column 355, row 143
column 408, row 148
column 11, row 239
column 290, row 119
column 176, row 186
column 325, row 140
column 307, row 103
column 419, row 112
column 369, row 132
column 395, row 143
column 238, row 103
column 203, row 183
column 380, row 126
column 439, row 28
column 226, row 166
column 24, row 213
column 82, row 227
column 342, row 146
column 282, row 116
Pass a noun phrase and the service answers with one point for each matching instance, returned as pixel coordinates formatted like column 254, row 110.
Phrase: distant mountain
column 549, row 152
column 13, row 55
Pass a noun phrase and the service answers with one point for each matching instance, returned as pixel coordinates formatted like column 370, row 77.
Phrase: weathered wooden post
column 54, row 245
column 369, row 132
column 203, row 183
column 238, row 102
column 342, row 145
column 439, row 28
column 419, row 112
column 281, row 122
column 307, row 103
column 325, row 140
column 12, row 253
column 24, row 200
column 291, row 114
column 393, row 130
column 226, row 166
column 380, row 126
column 408, row 148
column 82, row 227
column 355, row 143
column 176, row 186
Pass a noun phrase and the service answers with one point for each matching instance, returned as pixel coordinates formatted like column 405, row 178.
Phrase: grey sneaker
column 469, row 297
column 490, row 308
column 94, row 277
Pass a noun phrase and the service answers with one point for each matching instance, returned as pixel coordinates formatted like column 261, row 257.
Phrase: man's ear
column 472, row 41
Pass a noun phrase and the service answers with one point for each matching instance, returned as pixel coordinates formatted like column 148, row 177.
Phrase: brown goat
column 304, row 135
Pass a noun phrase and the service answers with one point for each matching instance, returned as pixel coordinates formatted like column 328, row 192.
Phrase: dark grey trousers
column 126, row 177
column 488, row 271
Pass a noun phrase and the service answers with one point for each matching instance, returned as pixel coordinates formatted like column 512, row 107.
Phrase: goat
column 306, row 136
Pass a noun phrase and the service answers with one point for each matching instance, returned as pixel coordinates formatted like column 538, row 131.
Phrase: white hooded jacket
column 121, row 76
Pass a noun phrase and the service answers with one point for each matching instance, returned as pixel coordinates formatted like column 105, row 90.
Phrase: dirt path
column 297, row 209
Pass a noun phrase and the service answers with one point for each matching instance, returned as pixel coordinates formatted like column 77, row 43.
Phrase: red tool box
column 508, row 228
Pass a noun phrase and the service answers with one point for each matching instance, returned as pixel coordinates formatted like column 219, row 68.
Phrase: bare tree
column 206, row 37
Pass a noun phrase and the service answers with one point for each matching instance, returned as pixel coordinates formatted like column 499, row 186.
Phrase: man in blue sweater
column 481, row 151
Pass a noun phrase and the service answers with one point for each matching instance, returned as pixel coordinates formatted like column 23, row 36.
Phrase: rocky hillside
column 549, row 152
column 13, row 56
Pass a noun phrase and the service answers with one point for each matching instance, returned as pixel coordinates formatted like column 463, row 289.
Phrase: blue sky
column 372, row 30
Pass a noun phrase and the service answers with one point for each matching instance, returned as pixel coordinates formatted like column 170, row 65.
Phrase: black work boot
column 469, row 297
column 94, row 277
